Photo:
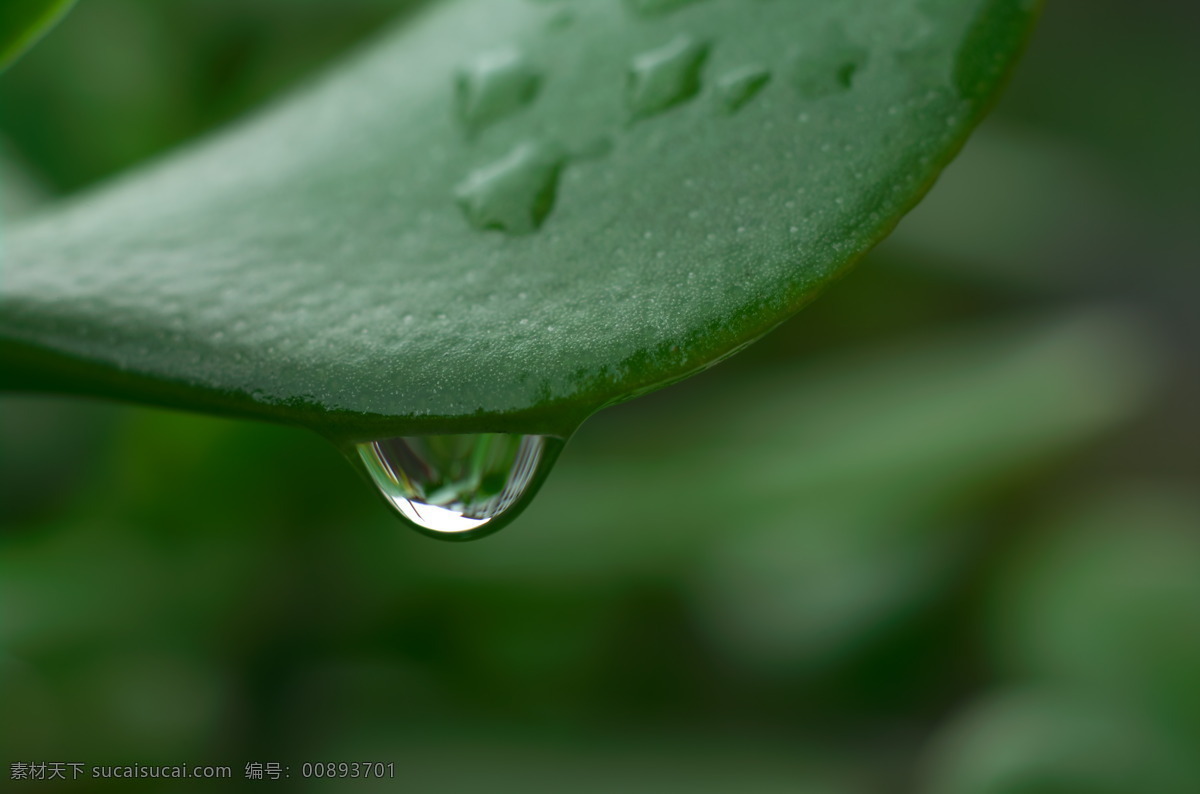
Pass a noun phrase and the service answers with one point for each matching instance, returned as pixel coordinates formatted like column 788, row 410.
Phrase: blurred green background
column 940, row 533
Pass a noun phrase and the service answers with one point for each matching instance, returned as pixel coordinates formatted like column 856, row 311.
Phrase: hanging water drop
column 665, row 77
column 493, row 86
column 516, row 193
column 737, row 88
column 459, row 487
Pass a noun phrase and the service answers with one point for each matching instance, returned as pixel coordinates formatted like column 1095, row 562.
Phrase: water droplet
column 652, row 8
column 516, row 193
column 493, row 86
column 459, row 487
column 829, row 67
column 665, row 77
column 737, row 88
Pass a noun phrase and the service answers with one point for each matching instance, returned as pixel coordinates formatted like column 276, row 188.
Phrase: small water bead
column 735, row 89
column 495, row 85
column 829, row 67
column 516, row 193
column 459, row 487
column 662, row 78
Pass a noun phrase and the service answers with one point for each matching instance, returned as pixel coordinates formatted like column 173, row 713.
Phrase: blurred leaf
column 1047, row 218
column 856, row 522
column 20, row 191
column 48, row 447
column 1039, row 742
column 23, row 22
column 319, row 265
column 1106, row 597
column 79, row 109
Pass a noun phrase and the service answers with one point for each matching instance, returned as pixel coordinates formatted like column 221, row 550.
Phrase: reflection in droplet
column 495, row 85
column 459, row 487
column 650, row 8
column 665, row 77
column 516, row 193
column 738, row 87
column 829, row 67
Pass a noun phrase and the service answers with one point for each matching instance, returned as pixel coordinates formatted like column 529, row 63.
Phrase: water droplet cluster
column 516, row 193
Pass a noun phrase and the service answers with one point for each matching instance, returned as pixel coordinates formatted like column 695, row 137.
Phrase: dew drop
column 653, row 8
column 829, row 67
column 495, row 85
column 737, row 88
column 516, row 193
column 459, row 487
column 662, row 78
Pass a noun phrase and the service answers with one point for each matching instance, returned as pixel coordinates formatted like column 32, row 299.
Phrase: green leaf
column 507, row 215
column 1029, row 739
column 1106, row 597
column 23, row 22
